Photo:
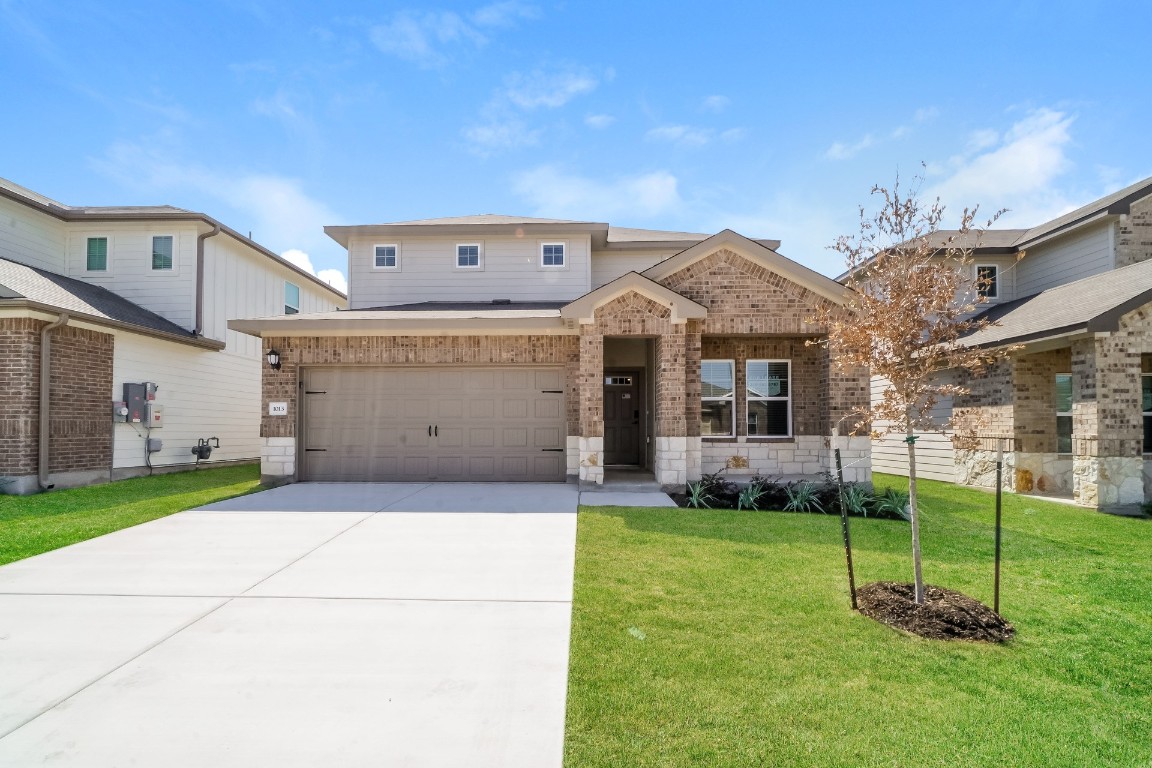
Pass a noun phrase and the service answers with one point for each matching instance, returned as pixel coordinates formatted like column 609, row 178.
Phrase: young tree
column 913, row 300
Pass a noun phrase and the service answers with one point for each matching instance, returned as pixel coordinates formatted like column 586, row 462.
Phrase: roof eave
column 343, row 234
column 190, row 340
column 302, row 325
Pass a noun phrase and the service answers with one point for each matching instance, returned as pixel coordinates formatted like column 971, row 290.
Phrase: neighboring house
column 503, row 348
column 1072, row 406
column 103, row 297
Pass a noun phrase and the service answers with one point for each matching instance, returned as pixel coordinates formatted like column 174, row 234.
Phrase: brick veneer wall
column 987, row 408
column 1034, row 381
column 1134, row 234
column 281, row 386
column 80, row 435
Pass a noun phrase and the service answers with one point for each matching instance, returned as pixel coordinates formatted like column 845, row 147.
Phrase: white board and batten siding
column 510, row 269
column 30, row 237
column 170, row 293
column 935, row 454
column 1084, row 252
column 610, row 265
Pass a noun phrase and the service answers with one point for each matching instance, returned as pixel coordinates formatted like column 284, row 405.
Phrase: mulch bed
column 945, row 614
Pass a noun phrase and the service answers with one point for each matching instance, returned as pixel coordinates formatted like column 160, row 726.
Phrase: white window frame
column 729, row 399
column 1064, row 413
column 748, row 399
column 396, row 256
column 563, row 264
column 299, row 298
column 151, row 255
column 479, row 256
column 107, row 255
column 995, row 296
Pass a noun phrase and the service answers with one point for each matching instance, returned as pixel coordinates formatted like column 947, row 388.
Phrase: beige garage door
column 422, row 424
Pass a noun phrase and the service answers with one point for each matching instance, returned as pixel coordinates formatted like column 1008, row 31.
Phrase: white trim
column 299, row 298
column 396, row 256
column 152, row 250
column 996, row 283
column 563, row 265
column 729, row 399
column 788, row 399
column 479, row 246
column 107, row 256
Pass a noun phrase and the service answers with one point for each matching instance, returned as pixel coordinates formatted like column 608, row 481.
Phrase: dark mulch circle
column 945, row 614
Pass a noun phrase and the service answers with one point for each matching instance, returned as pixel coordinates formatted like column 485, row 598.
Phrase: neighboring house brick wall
column 1134, row 234
column 81, row 421
column 19, row 381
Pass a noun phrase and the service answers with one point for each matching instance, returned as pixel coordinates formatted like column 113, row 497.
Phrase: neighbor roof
column 21, row 284
column 1088, row 305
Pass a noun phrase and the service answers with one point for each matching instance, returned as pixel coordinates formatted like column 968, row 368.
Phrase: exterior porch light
column 273, row 359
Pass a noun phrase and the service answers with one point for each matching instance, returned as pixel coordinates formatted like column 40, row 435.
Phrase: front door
column 623, row 409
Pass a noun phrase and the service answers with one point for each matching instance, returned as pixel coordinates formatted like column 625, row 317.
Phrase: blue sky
column 771, row 118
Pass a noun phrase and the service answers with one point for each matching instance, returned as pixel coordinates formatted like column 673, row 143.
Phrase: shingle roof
column 483, row 218
column 1121, row 198
column 1092, row 304
column 19, row 281
column 465, row 306
column 631, row 234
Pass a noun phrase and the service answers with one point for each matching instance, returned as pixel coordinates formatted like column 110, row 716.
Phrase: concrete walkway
column 315, row 624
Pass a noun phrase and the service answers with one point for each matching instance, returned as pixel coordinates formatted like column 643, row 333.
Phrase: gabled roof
column 1113, row 204
column 21, row 285
column 584, row 308
column 1091, row 304
column 757, row 253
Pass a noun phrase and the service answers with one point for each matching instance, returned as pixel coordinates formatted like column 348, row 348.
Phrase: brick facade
column 1134, row 234
column 80, row 434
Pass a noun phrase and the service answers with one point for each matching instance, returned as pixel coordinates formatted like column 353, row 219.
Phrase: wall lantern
column 273, row 359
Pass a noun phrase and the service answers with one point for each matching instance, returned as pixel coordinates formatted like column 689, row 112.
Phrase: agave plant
column 804, row 497
column 750, row 496
column 893, row 503
column 698, row 495
column 856, row 499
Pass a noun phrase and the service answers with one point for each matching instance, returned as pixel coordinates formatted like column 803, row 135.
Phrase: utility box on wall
column 155, row 415
column 134, row 399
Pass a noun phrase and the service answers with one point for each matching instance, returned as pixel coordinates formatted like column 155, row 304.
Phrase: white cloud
column 733, row 134
column 842, row 151
column 715, row 103
column 1016, row 169
column 599, row 121
column 553, row 192
column 547, row 89
column 684, row 135
column 498, row 135
column 278, row 105
column 428, row 38
column 333, row 277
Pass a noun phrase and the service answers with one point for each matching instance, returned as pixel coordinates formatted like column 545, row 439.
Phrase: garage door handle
column 429, row 430
column 315, row 392
column 551, row 391
column 436, row 430
column 552, row 450
column 315, row 450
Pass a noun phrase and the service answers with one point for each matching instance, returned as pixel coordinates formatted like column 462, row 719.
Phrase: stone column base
column 1108, row 482
column 671, row 462
column 277, row 459
column 591, row 460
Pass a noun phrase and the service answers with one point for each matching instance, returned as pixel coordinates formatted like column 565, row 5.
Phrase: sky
column 770, row 118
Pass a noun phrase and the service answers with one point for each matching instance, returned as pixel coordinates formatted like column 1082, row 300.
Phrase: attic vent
column 501, row 301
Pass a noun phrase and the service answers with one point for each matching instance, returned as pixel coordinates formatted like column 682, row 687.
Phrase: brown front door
column 623, row 409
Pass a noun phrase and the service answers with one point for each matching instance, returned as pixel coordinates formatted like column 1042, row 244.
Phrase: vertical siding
column 1079, row 254
column 935, row 455
column 609, row 265
column 428, row 271
column 204, row 394
column 31, row 237
column 169, row 293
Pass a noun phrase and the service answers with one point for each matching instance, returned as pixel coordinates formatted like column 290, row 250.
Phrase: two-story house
column 93, row 299
column 1072, row 405
column 506, row 348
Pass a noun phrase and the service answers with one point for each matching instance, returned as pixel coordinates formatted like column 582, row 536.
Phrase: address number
column 277, row 409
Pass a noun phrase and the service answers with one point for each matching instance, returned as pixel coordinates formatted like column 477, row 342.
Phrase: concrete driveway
column 314, row 624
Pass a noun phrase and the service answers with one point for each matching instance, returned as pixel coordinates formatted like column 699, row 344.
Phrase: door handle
column 436, row 430
column 429, row 430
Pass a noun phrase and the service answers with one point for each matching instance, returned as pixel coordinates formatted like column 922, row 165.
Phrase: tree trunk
column 914, row 514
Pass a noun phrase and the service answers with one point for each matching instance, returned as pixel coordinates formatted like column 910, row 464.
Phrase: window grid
column 772, row 392
column 1064, row 413
column 468, row 256
column 988, row 280
column 1146, row 407
column 717, row 398
column 387, row 256
column 552, row 254
column 162, row 252
column 97, row 260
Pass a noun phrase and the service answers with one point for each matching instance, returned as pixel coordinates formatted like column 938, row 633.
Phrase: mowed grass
column 30, row 525
column 719, row 638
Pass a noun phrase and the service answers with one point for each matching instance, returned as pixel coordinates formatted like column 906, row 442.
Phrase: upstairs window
column 468, row 256
column 552, row 255
column 988, row 281
column 291, row 298
column 162, row 252
column 769, row 394
column 717, row 398
column 387, row 257
column 97, row 254
column 1064, row 413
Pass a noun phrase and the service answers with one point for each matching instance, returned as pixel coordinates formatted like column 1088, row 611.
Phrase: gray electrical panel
column 134, row 398
column 154, row 444
column 154, row 412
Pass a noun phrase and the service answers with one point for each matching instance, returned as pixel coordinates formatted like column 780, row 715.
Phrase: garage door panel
column 489, row 424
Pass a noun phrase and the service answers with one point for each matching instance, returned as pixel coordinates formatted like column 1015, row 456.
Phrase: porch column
column 1107, row 430
column 591, row 382
column 671, row 461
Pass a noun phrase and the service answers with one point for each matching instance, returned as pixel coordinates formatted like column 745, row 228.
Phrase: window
column 1064, row 413
column 291, row 298
column 1146, row 389
column 162, row 252
column 552, row 254
column 97, row 254
column 988, row 281
column 717, row 398
column 769, row 395
column 387, row 257
column 468, row 256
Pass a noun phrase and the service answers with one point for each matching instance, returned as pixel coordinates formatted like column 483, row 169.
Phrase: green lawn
column 719, row 638
column 30, row 525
